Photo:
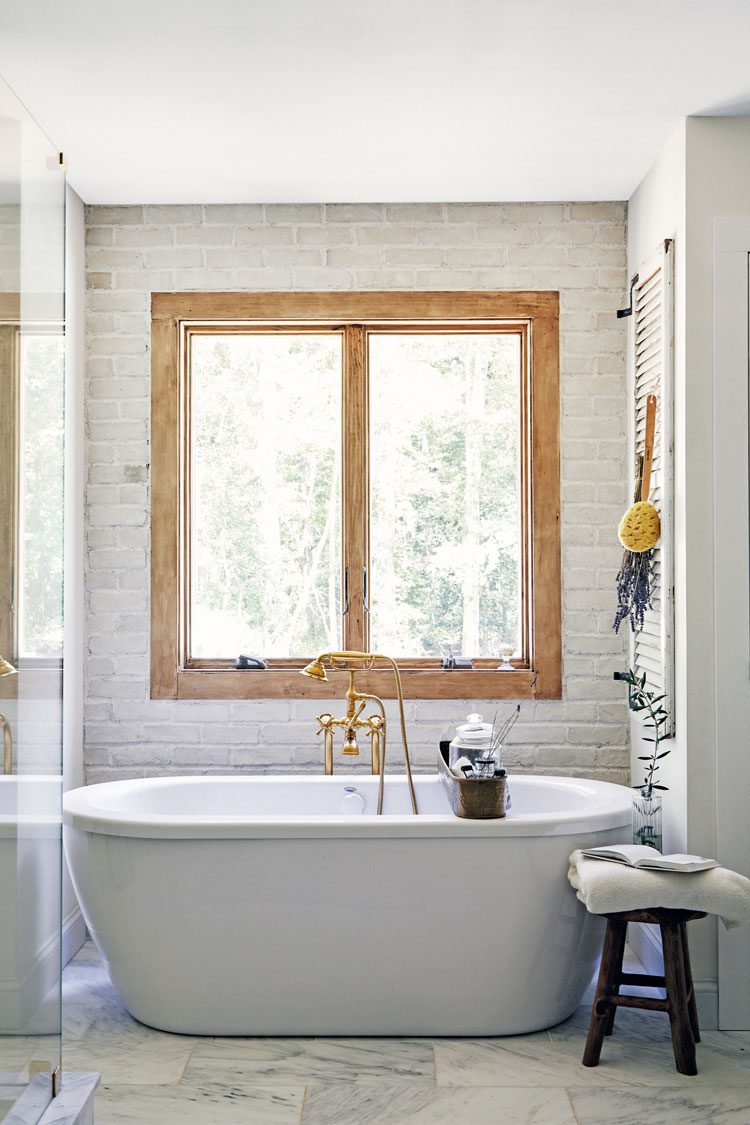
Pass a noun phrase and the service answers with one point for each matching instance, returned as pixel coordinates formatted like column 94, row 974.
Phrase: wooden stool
column 677, row 980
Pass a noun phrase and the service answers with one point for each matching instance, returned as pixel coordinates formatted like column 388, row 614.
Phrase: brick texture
column 578, row 248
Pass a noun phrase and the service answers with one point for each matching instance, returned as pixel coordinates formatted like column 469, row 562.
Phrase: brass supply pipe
column 316, row 670
column 377, row 733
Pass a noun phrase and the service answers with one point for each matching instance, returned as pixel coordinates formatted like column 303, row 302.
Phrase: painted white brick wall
column 578, row 248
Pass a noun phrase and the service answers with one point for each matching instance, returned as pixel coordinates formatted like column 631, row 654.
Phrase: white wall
column 718, row 185
column 657, row 211
column 703, row 174
column 73, row 642
column 576, row 248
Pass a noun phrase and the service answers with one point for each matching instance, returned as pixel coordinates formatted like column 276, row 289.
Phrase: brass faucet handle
column 358, row 711
column 325, row 723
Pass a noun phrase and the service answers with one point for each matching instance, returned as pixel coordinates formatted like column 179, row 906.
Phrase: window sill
column 418, row 683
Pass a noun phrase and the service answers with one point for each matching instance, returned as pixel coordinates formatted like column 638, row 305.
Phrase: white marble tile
column 523, row 1060
column 6, row 1104
column 648, row 1059
column 32, row 1102
column 75, row 1101
column 204, row 1104
column 631, row 1024
column 17, row 1052
column 316, row 1060
column 643, row 1059
column 87, row 954
column 83, row 1001
column 702, row 1105
column 125, row 1051
column 152, row 1078
column 86, row 989
column 408, row 1104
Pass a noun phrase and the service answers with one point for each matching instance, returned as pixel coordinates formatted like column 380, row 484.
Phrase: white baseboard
column 73, row 935
column 646, row 945
column 647, row 948
column 707, row 999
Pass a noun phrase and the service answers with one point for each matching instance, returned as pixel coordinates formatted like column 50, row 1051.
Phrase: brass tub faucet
column 373, row 725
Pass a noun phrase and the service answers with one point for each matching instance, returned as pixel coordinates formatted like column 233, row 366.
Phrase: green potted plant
column 647, row 810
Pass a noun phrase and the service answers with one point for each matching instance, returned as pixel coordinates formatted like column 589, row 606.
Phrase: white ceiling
column 347, row 100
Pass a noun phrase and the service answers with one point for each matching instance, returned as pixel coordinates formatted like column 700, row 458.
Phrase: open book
column 639, row 855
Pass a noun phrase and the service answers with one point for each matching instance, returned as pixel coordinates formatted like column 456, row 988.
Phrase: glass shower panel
column 32, row 273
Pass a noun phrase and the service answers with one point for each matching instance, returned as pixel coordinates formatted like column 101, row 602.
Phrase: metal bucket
column 476, row 798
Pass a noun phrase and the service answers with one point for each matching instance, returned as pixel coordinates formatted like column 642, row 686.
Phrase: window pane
column 40, row 616
column 444, row 468
column 266, row 487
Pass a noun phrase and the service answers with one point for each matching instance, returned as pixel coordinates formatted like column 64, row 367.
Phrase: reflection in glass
column 40, row 540
column 32, row 229
column 444, row 477
column 266, row 487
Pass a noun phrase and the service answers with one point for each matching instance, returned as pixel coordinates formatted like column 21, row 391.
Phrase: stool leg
column 610, row 1021
column 692, row 1007
column 683, row 1043
column 602, row 1011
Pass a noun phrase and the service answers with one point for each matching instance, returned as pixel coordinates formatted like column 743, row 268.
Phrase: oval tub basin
column 251, row 906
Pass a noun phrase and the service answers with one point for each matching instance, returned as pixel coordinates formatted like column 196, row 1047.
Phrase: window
column 376, row 472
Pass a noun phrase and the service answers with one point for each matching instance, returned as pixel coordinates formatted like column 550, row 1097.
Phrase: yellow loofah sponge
column 640, row 527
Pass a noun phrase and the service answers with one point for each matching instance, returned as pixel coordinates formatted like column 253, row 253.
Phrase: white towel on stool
column 608, row 888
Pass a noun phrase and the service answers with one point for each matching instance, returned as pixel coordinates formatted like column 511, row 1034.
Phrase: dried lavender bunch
column 633, row 589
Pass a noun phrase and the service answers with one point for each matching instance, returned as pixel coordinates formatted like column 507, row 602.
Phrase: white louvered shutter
column 652, row 649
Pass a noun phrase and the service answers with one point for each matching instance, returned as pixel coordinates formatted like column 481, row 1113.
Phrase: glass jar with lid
column 472, row 740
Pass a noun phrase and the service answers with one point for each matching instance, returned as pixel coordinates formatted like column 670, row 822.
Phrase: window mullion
column 355, row 490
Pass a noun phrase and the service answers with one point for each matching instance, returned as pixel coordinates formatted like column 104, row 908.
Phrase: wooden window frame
column 535, row 315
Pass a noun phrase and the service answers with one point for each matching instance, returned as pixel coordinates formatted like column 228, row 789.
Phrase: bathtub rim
column 611, row 808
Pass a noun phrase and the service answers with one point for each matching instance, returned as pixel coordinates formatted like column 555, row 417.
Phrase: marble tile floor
column 152, row 1078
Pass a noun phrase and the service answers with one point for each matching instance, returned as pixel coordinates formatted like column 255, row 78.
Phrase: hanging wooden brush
column 639, row 533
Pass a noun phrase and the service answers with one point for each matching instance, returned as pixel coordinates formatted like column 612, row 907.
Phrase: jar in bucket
column 472, row 740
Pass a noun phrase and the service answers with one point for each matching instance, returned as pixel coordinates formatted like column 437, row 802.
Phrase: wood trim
column 546, row 642
column 417, row 684
column 355, row 485
column 32, row 309
column 537, row 314
column 526, row 583
column 356, row 307
column 332, row 324
column 10, row 307
column 185, row 406
column 165, row 507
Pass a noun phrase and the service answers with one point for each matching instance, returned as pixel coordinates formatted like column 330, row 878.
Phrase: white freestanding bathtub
column 251, row 906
